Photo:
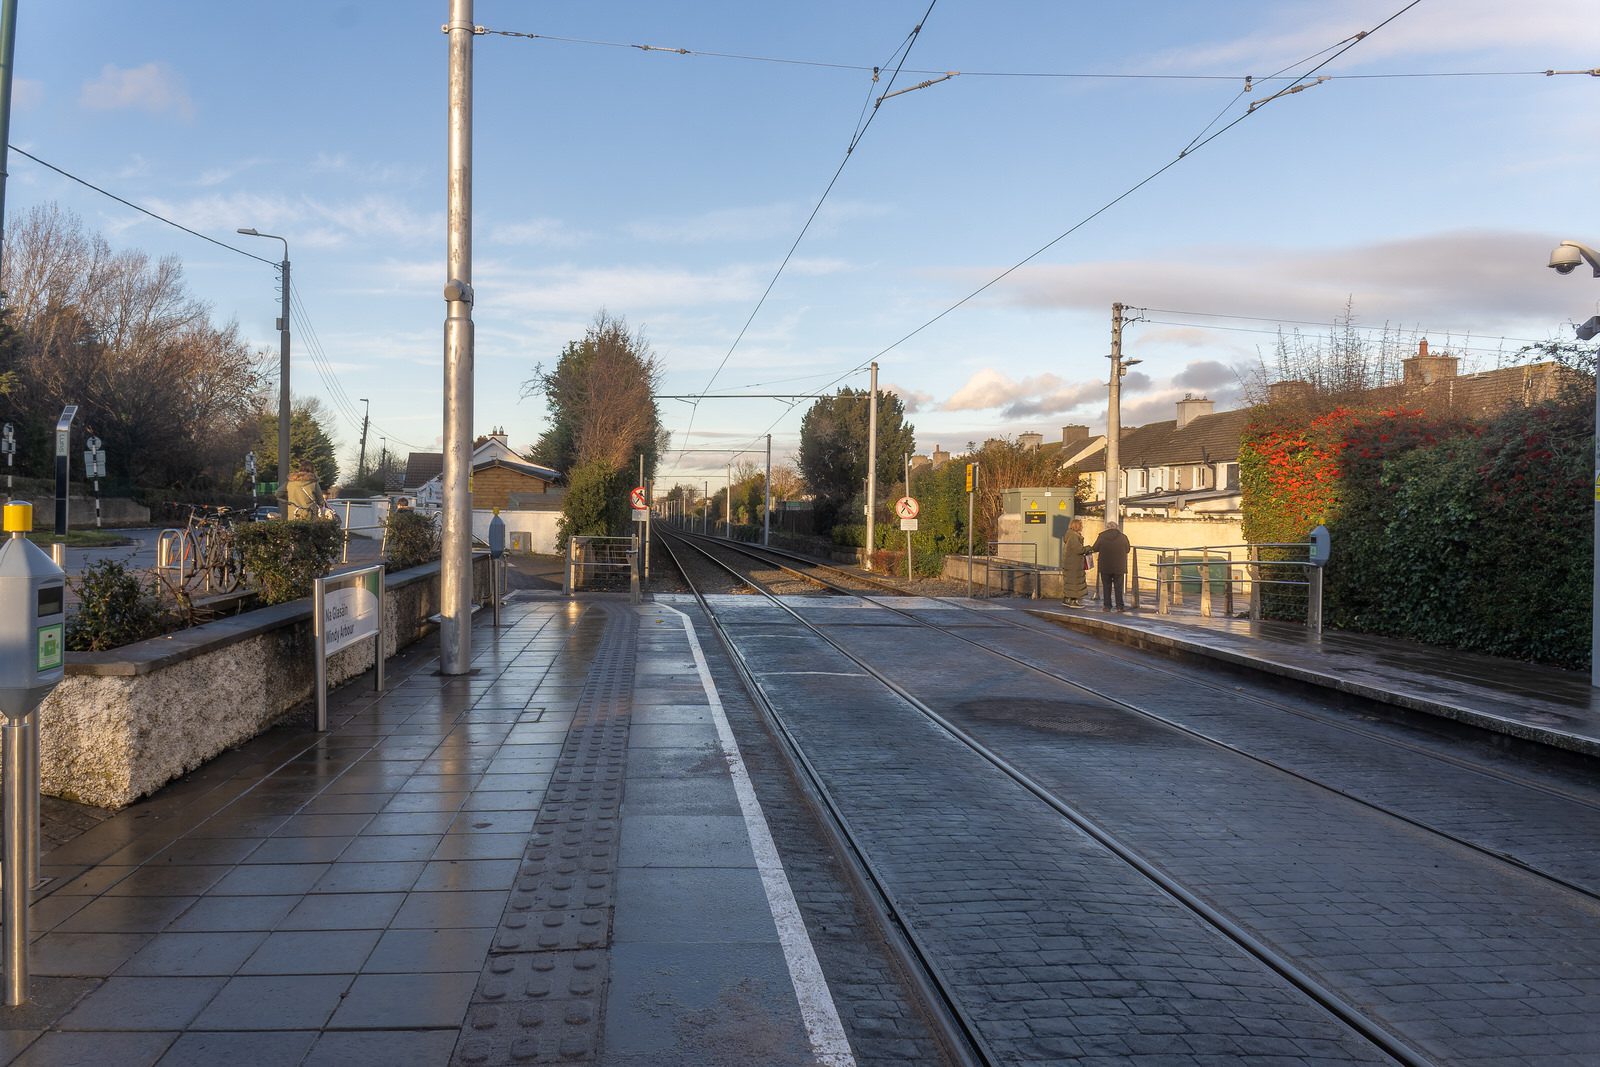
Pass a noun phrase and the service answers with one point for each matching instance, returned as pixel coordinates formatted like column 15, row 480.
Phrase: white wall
column 541, row 524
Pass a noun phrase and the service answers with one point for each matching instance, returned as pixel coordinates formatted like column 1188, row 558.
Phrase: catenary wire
column 1298, row 82
column 904, row 52
column 1079, row 75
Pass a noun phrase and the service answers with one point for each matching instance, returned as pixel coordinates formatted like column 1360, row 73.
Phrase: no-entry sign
column 636, row 498
column 907, row 507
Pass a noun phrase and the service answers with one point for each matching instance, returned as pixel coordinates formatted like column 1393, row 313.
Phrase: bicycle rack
column 170, row 545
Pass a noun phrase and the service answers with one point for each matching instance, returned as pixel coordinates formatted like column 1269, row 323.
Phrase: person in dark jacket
column 1111, row 548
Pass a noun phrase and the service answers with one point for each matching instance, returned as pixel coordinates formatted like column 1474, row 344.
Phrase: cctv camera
column 1566, row 257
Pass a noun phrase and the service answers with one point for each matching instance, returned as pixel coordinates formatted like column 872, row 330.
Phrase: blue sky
column 667, row 188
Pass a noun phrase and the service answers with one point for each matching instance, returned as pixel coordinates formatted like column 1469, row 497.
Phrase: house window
column 1231, row 475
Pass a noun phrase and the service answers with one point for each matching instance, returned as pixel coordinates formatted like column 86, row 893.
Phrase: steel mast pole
column 455, row 610
column 766, row 510
column 1114, row 422
column 872, row 464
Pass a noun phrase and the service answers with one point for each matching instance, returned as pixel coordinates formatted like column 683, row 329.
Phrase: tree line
column 176, row 399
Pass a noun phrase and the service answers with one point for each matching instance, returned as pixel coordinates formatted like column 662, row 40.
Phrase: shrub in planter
column 283, row 556
column 412, row 538
column 115, row 608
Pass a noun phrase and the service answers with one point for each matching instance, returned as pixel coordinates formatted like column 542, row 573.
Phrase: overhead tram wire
column 1297, row 84
column 903, row 52
column 1461, row 347
column 1043, row 74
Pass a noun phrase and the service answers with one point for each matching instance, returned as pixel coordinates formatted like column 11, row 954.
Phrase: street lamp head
column 248, row 232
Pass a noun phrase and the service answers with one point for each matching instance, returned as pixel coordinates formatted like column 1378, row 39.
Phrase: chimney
column 1192, row 407
column 1290, row 392
column 1030, row 441
column 1071, row 435
column 1423, row 370
column 499, row 434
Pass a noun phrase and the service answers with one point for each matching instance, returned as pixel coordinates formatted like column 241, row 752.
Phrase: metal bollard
column 1205, row 583
column 566, row 584
column 633, row 575
column 16, row 744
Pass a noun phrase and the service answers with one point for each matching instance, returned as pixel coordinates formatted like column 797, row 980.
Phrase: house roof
column 532, row 470
column 1205, row 439
column 422, row 467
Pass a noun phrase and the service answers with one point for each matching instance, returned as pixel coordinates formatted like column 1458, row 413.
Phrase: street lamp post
column 1564, row 260
column 283, row 363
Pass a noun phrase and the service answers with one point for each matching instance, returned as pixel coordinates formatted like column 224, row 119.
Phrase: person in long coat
column 1073, row 586
column 1111, row 549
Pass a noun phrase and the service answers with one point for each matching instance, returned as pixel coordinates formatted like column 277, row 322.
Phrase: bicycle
column 206, row 553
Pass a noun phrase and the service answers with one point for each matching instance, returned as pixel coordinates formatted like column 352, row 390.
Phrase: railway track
column 1371, row 1027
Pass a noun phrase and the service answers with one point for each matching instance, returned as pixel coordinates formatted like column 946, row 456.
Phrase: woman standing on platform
column 1073, row 564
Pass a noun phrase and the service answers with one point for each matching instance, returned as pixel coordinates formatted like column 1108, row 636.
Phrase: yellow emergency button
column 19, row 517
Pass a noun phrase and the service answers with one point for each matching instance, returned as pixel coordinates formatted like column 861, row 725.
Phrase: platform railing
column 1024, row 562
column 1250, row 572
column 593, row 560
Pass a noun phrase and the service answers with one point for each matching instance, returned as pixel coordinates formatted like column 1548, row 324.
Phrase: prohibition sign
column 907, row 507
column 636, row 498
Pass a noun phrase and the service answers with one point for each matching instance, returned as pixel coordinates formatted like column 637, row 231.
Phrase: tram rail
column 1379, row 1036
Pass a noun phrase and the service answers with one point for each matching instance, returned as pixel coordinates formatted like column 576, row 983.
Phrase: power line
column 1299, row 322
column 144, row 210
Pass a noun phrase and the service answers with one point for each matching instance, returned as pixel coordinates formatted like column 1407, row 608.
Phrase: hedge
column 284, row 556
column 1471, row 536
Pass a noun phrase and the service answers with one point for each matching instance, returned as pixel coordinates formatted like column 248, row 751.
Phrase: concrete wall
column 126, row 722
column 80, row 512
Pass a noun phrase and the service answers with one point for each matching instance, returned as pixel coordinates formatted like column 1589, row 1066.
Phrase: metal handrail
column 1008, row 564
column 1169, row 576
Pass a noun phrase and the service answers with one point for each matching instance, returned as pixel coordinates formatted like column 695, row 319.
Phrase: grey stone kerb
column 124, row 723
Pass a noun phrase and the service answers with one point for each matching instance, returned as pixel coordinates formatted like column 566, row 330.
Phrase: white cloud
column 153, row 87
column 307, row 222
column 546, row 233
column 1041, row 394
column 26, row 94
column 1483, row 282
column 914, row 399
column 218, row 175
column 756, row 222
column 1475, row 27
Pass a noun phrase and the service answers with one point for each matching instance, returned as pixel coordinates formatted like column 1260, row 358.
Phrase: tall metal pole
column 766, row 510
column 8, row 46
column 283, row 378
column 455, row 611
column 1114, row 421
column 705, row 515
column 727, row 506
column 283, row 362
column 872, row 464
column 16, row 889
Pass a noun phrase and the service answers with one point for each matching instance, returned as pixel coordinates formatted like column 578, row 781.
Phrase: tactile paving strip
column 541, row 994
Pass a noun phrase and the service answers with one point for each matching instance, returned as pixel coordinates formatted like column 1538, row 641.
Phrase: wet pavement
column 450, row 875
column 1546, row 705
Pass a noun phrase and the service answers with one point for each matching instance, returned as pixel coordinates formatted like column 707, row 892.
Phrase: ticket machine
column 33, row 655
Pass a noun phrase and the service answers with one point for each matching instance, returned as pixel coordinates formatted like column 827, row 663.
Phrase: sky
column 1420, row 188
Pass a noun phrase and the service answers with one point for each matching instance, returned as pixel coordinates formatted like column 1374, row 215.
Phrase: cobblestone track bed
column 883, row 1020
column 1468, row 957
column 1544, row 814
column 1057, row 950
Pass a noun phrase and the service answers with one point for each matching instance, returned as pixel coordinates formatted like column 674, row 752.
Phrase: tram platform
column 1545, row 705
column 556, row 858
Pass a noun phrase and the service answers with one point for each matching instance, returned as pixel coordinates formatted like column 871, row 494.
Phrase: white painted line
column 817, row 1009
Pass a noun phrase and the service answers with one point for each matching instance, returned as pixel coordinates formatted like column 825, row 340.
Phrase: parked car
column 268, row 511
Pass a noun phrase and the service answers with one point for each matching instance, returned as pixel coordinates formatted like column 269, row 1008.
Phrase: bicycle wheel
column 188, row 560
column 227, row 571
